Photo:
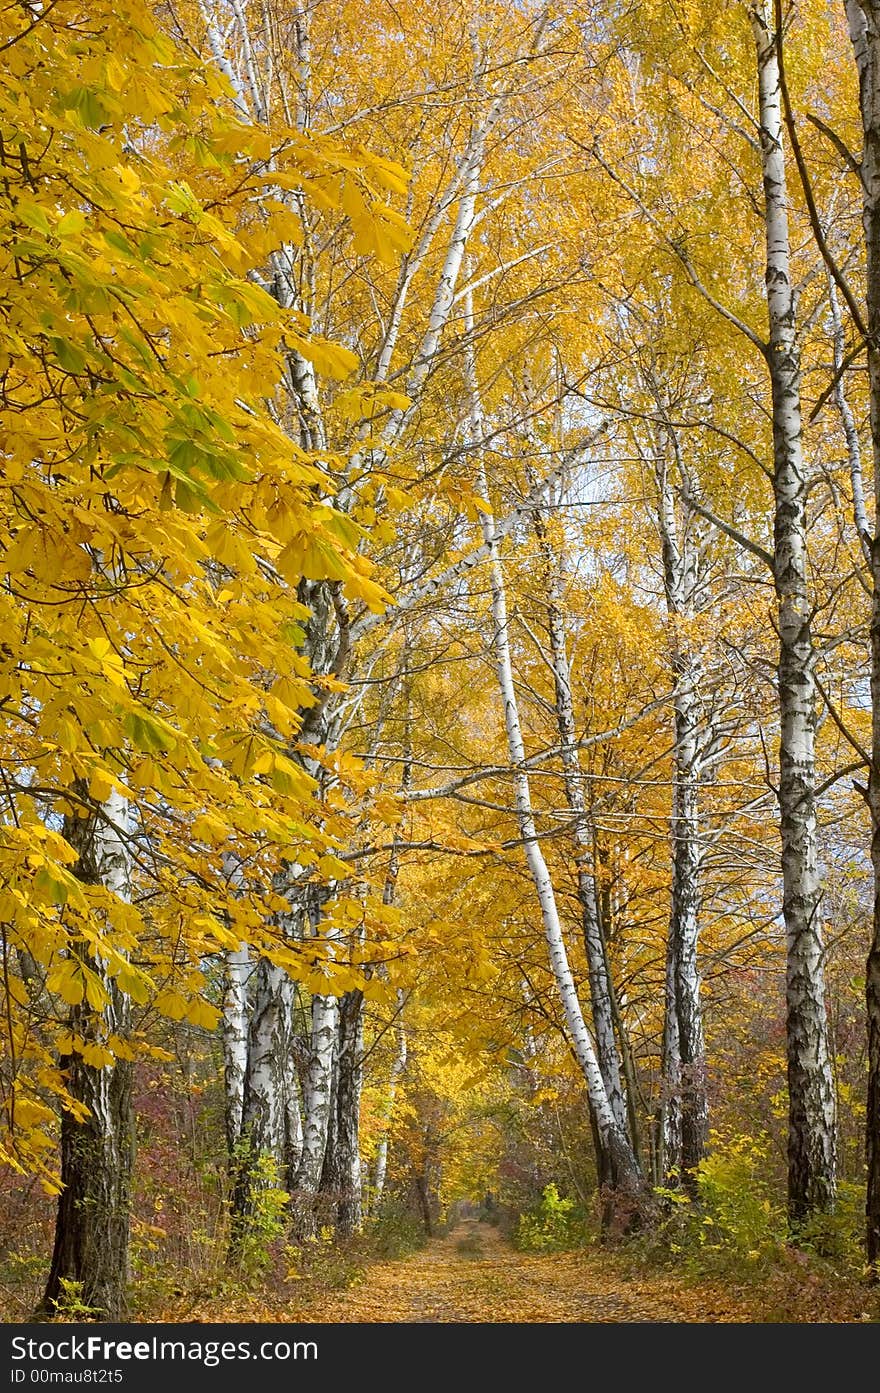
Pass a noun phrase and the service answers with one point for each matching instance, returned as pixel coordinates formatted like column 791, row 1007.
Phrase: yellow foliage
column 147, row 493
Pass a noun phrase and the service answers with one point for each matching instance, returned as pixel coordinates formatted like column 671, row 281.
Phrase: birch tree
column 617, row 1159
column 811, row 1142
column 684, row 1115
column 434, row 264
column 603, row 1005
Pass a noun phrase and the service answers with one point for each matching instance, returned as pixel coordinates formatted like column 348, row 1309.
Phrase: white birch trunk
column 413, row 261
column 317, row 1103
column 601, row 987
column 685, row 1109
column 850, row 429
column 346, row 1176
column 269, row 1064
column 235, row 1039
column 624, row 1166
column 398, row 1063
column 669, row 1157
column 293, row 1126
column 398, row 1067
column 811, row 1138
column 296, row 1137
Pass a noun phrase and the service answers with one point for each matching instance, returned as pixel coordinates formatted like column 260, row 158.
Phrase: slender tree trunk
column 669, row 1141
column 864, row 25
column 293, row 1124
column 90, row 1255
column 261, row 1151
column 349, row 1081
column 398, row 1066
column 235, row 1040
column 327, row 1194
column 685, row 1112
column 389, row 892
column 317, row 1103
column 424, row 1198
column 268, row 1062
column 684, row 924
column 601, row 986
column 622, row 1163
column 811, row 1121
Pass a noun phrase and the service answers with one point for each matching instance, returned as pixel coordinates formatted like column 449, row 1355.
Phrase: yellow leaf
column 101, row 785
column 201, row 1013
column 67, row 982
column 171, row 1003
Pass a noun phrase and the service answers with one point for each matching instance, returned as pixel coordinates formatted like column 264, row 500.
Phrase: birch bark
column 317, row 1104
column 398, row 1067
column 811, row 1121
column 235, row 1040
column 601, row 986
column 345, row 1177
column 399, row 1062
column 685, row 1111
column 622, row 1164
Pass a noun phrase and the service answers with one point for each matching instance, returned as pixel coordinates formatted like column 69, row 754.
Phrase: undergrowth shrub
column 734, row 1225
column 266, row 1220
column 837, row 1237
column 737, row 1225
column 395, row 1232
column 552, row 1225
column 70, row 1306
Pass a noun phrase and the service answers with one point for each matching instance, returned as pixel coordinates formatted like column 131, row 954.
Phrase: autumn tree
column 157, row 521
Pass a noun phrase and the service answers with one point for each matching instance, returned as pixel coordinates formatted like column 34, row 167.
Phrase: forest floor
column 473, row 1274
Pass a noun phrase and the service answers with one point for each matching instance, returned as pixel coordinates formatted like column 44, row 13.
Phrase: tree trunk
column 601, row 986
column 619, row 1159
column 398, row 1065
column 811, row 1118
column 424, row 1199
column 622, row 1163
column 684, row 926
column 669, row 1140
column 685, row 1109
column 864, row 25
column 317, row 1101
column 90, row 1255
column 342, row 1167
column 293, row 1123
column 261, row 1146
column 235, row 1040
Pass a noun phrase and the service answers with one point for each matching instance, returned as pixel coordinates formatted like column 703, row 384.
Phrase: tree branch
column 840, row 146
column 676, row 250
column 729, row 531
column 474, row 558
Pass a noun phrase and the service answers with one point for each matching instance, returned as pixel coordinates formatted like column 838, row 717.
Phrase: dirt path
column 473, row 1275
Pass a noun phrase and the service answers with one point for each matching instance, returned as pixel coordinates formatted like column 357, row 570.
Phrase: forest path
column 472, row 1274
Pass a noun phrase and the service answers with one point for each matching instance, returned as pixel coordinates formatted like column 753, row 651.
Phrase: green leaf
column 68, row 356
